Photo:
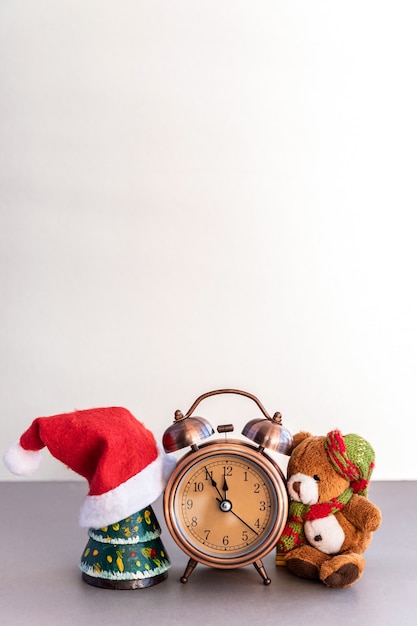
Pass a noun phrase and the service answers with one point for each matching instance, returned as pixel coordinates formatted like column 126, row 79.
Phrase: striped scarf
column 293, row 533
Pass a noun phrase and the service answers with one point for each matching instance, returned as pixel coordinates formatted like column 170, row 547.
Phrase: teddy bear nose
column 296, row 486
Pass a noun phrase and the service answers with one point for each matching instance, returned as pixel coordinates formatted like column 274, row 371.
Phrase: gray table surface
column 41, row 583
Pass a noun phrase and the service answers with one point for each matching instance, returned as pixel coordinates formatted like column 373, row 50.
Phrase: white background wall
column 198, row 195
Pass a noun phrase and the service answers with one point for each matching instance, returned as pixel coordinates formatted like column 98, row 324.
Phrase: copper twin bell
column 189, row 430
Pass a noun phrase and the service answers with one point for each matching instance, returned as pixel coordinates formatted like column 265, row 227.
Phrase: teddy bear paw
column 305, row 562
column 303, row 569
column 342, row 571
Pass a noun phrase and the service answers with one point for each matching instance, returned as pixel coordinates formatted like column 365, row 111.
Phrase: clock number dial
column 238, row 513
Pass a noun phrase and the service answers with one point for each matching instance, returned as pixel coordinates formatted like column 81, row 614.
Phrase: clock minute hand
column 214, row 484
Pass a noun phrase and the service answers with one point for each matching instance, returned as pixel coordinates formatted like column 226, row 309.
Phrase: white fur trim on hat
column 20, row 461
column 133, row 495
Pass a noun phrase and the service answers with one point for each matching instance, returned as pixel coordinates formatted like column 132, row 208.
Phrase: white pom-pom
column 20, row 461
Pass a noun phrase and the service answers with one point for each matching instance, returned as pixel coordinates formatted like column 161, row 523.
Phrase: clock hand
column 225, row 487
column 239, row 518
column 214, row 484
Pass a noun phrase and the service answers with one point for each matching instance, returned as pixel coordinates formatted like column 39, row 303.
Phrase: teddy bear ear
column 299, row 437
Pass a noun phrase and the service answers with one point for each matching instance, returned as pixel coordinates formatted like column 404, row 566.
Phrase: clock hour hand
column 225, row 487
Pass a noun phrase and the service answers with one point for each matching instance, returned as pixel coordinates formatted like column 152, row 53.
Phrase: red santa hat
column 125, row 468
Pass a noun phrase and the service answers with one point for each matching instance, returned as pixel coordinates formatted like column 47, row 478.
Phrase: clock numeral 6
column 226, row 540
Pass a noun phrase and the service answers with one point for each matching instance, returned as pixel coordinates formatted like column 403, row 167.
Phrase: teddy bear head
column 322, row 468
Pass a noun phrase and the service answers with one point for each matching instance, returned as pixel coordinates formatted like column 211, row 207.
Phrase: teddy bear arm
column 362, row 513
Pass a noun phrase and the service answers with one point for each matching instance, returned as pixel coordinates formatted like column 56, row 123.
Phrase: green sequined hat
column 352, row 457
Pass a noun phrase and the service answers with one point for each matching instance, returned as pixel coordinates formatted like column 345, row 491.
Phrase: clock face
column 226, row 504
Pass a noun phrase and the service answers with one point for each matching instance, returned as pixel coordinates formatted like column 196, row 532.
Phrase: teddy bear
column 330, row 520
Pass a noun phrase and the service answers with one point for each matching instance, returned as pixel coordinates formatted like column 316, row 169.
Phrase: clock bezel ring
column 265, row 464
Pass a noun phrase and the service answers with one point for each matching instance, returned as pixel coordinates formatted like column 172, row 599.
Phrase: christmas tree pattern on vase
column 126, row 555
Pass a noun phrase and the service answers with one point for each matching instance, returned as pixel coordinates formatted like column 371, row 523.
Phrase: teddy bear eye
column 316, row 478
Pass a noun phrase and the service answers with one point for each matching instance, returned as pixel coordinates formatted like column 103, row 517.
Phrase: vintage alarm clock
column 226, row 501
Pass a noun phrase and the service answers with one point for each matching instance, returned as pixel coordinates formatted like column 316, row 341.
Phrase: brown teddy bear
column 330, row 521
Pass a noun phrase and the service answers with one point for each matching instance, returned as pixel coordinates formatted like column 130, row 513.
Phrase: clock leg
column 262, row 573
column 188, row 570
